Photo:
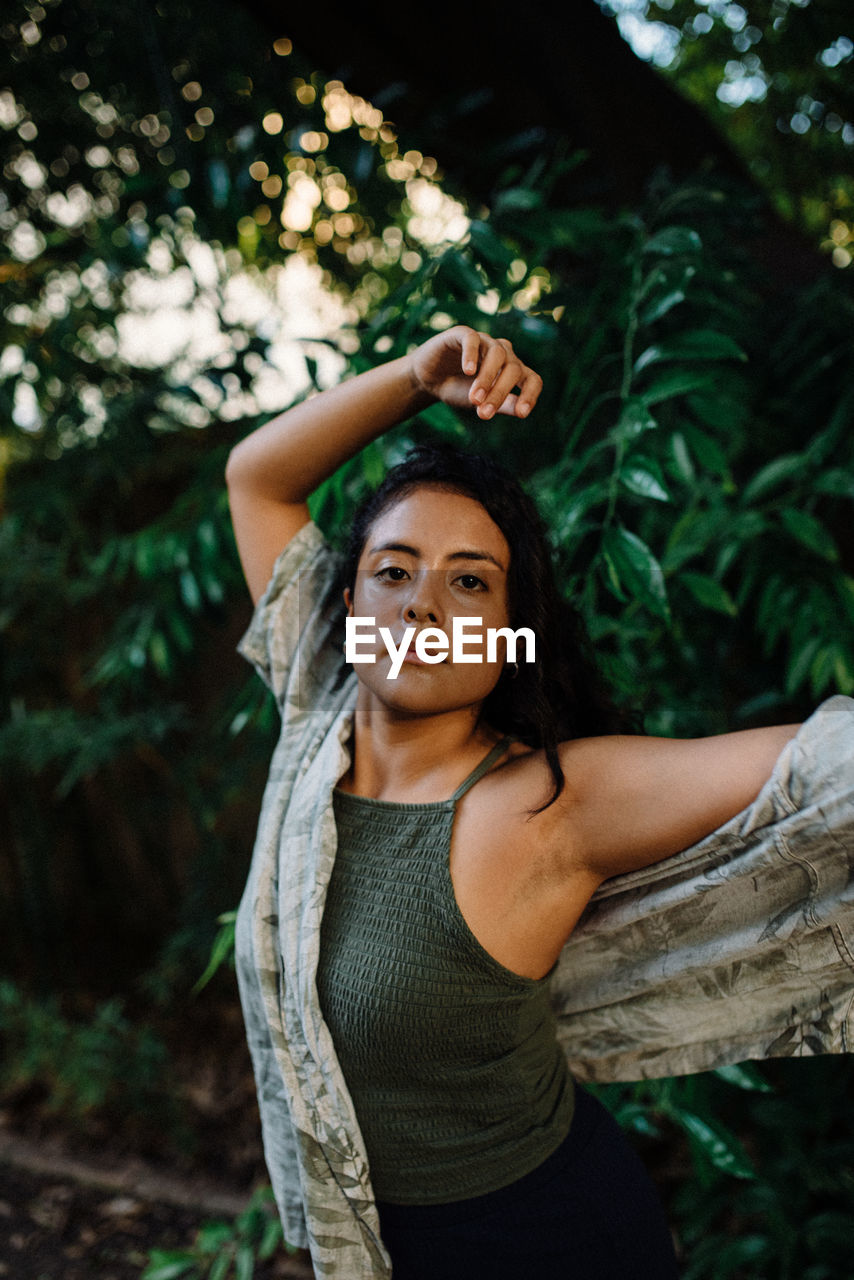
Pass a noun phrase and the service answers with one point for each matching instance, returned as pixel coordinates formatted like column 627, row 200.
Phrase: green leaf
column 682, row 457
column 239, row 722
column 843, row 672
column 744, row 1076
column 190, row 593
column 660, row 306
column 245, row 1266
column 676, row 382
column 213, row 588
column 725, row 409
column 695, row 344
column 845, row 590
column 674, row 240
column 180, row 632
column 489, row 246
column 271, row 1239
column 207, row 537
column 220, row 1267
column 159, row 652
column 732, row 1257
column 707, row 451
column 222, row 948
column 460, row 275
column 690, row 537
column 666, row 278
column 578, row 229
column 810, row 533
column 146, row 559
column 772, row 475
column 643, row 477
column 709, row 593
column 634, row 419
column 516, row 198
column 571, row 511
column 635, row 568
column 800, row 663
column 213, row 1236
column 636, row 1118
column 823, row 669
column 537, row 327
column 167, row 1265
column 720, row 1147
column 372, row 463
column 443, row 418
column 838, row 482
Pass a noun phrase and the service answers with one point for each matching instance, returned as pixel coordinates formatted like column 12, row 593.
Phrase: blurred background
column 205, row 214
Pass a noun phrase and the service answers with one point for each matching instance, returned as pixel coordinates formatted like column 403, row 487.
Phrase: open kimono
column 740, row 947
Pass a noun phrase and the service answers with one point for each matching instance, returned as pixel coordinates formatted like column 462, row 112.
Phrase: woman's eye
column 391, row 573
column 471, row 582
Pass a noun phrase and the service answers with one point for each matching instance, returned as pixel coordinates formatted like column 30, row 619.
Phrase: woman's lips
column 413, row 658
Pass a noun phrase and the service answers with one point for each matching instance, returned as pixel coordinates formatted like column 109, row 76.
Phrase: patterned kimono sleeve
column 741, row 946
column 280, row 1146
column 293, row 640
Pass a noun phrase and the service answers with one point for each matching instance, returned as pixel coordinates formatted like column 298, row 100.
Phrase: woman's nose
column 423, row 604
column 419, row 614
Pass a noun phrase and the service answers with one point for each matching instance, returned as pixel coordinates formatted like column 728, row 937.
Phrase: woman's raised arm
column 271, row 473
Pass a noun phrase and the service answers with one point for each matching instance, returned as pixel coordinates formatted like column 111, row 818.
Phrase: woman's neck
column 415, row 759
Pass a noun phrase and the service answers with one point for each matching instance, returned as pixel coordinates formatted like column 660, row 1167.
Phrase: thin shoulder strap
column 477, row 773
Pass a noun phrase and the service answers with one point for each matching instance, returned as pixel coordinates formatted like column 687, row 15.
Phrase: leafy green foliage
column 794, row 1218
column 222, row 1250
column 148, row 179
column 222, row 948
column 106, row 1065
column 780, row 1131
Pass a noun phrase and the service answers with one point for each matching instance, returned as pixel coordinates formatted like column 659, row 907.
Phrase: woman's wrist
column 421, row 394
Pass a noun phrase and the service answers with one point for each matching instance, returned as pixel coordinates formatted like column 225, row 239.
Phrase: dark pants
column 589, row 1212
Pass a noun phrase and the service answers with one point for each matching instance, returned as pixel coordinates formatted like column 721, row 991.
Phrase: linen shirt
column 741, row 946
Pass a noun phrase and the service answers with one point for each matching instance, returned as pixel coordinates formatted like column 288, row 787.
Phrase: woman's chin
column 421, row 690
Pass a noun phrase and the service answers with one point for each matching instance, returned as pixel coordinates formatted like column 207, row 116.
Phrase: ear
column 348, row 601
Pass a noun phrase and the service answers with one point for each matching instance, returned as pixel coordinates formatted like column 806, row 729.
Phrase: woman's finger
column 470, row 354
column 529, row 392
column 501, row 388
column 493, row 361
column 514, row 405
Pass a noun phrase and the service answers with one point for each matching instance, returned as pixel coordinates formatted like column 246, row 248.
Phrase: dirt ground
column 89, row 1202
column 70, row 1223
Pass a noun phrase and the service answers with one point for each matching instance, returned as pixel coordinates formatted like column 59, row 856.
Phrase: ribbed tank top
column 451, row 1059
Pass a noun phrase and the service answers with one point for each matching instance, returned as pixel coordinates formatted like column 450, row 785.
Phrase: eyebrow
column 471, row 554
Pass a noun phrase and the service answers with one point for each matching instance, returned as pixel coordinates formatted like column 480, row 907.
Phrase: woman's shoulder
column 525, row 772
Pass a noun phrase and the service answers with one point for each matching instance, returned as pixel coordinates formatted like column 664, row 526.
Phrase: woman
column 395, row 998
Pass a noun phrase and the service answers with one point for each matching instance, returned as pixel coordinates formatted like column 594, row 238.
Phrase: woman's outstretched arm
column 635, row 800
column 271, row 473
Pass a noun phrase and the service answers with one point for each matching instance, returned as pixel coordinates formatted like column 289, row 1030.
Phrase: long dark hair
column 562, row 694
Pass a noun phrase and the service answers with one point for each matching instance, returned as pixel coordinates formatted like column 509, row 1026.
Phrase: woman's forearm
column 286, row 459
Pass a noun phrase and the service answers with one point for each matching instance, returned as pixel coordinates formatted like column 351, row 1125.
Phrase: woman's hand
column 468, row 369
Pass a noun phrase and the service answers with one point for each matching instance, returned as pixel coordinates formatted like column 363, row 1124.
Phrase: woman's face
column 432, row 557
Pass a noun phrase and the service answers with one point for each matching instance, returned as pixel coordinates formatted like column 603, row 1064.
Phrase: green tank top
column 451, row 1059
